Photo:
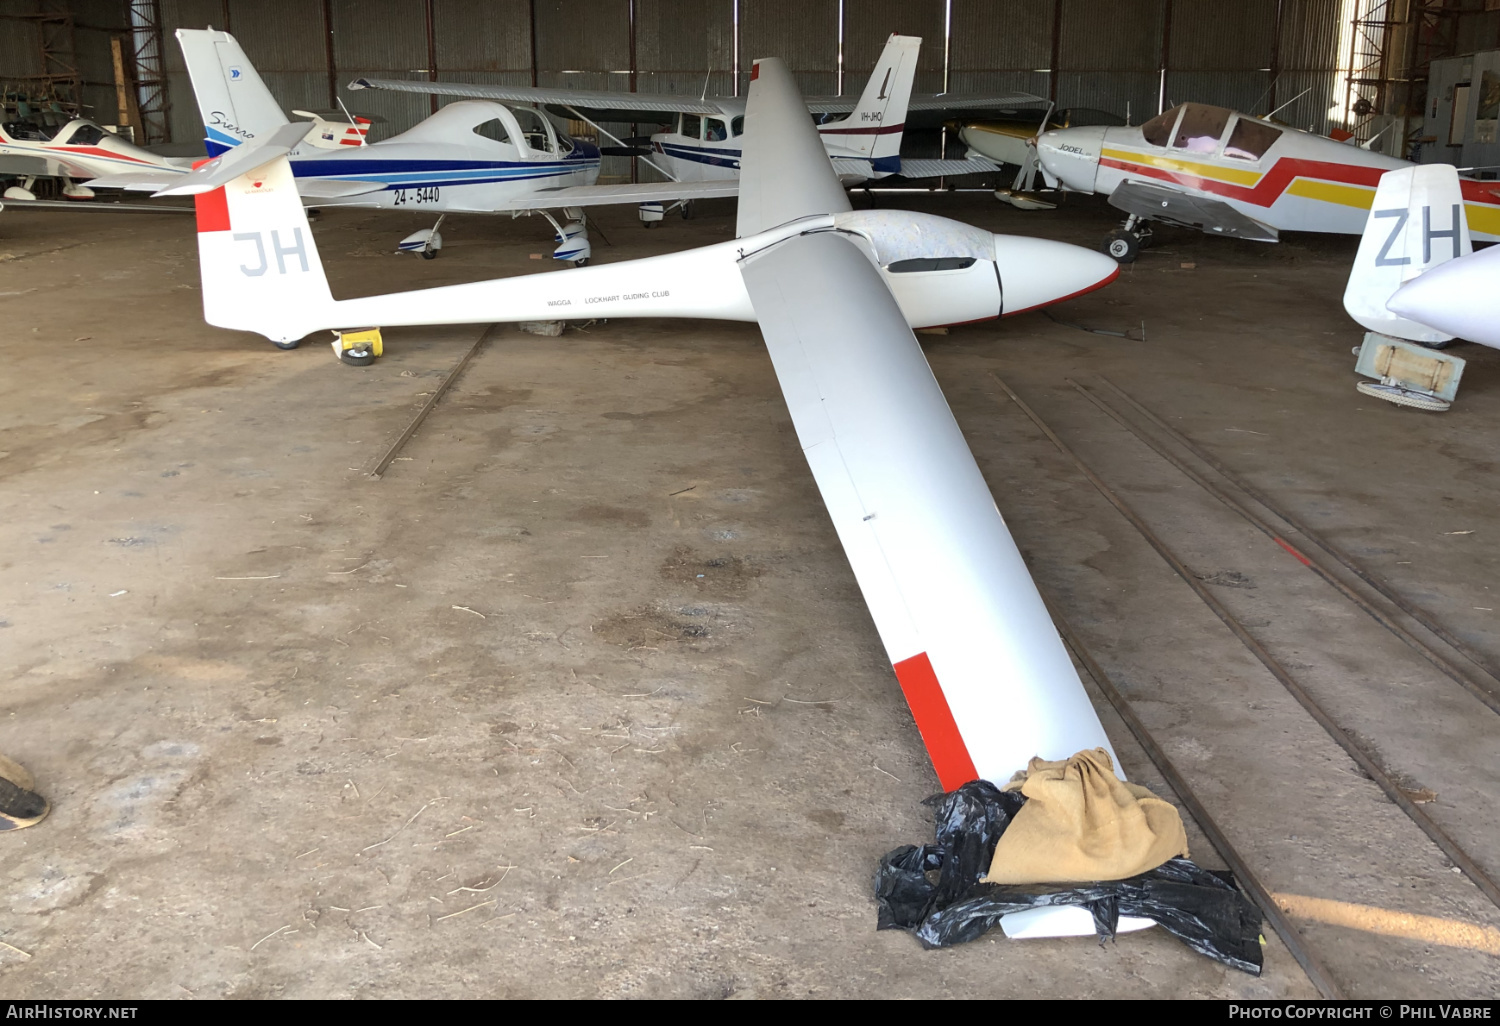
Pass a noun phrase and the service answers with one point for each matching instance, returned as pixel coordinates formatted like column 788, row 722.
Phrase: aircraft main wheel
column 359, row 356
column 688, row 213
column 429, row 254
column 1145, row 236
column 1122, row 245
column 581, row 262
column 649, row 224
column 293, row 344
column 1437, row 345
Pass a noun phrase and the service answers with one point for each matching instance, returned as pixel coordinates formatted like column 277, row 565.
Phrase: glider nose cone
column 1038, row 272
column 1457, row 298
column 1071, row 156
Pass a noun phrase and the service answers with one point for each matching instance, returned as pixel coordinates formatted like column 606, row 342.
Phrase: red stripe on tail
column 213, row 210
column 950, row 757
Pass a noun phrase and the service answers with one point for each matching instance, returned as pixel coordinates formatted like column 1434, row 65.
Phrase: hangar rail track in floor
column 1366, row 762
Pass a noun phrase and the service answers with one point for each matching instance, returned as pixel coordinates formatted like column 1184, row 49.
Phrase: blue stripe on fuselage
column 700, row 155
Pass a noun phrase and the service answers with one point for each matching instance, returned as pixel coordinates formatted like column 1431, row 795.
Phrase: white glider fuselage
column 940, row 271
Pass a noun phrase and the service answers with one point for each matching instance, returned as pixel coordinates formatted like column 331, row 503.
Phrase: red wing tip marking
column 213, row 210
column 945, row 745
column 1072, row 295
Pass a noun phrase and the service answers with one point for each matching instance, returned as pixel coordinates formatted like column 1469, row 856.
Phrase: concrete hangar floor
column 580, row 698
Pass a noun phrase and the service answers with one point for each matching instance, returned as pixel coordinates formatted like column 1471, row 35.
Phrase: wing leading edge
column 977, row 656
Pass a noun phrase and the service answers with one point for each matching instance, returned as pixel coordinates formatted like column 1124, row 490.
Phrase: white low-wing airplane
column 1416, row 275
column 835, row 292
column 473, row 157
column 77, row 151
column 1227, row 173
column 702, row 140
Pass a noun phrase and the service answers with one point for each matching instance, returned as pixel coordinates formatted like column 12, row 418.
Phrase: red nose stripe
column 945, row 746
column 213, row 211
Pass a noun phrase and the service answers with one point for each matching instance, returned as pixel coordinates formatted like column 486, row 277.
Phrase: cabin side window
column 86, row 135
column 494, row 129
column 1159, row 129
column 1251, row 139
column 716, row 131
column 692, row 126
column 737, row 126
column 1201, row 129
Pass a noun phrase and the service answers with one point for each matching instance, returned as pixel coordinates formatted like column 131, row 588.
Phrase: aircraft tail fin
column 1416, row 223
column 235, row 104
column 873, row 129
column 257, row 258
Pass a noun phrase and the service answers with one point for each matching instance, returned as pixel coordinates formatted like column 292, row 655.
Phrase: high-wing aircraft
column 79, row 150
column 1416, row 275
column 473, row 157
column 1227, row 173
column 835, row 292
column 701, row 138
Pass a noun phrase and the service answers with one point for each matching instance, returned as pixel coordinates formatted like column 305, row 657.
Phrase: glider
column 836, row 293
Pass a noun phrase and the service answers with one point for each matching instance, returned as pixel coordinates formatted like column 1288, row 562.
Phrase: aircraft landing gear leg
column 1126, row 242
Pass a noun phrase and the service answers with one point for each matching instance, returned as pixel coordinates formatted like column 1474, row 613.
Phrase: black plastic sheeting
column 934, row 891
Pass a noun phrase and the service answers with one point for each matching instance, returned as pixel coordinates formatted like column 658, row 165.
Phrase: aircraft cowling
column 1038, row 272
column 1071, row 156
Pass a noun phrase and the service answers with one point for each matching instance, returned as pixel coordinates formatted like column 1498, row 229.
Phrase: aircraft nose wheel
column 1122, row 245
column 429, row 254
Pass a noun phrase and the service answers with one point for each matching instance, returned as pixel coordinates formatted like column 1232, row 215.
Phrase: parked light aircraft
column 1416, row 275
column 474, row 157
column 77, row 151
column 835, row 292
column 1008, row 140
column 702, row 140
column 1227, row 173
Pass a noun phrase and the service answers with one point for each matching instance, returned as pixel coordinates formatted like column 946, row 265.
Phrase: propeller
column 1019, row 193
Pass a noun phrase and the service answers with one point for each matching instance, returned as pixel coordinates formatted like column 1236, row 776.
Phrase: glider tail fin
column 873, row 129
column 234, row 103
column 1416, row 223
column 257, row 258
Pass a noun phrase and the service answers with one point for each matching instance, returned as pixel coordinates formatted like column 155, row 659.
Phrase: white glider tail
column 1416, row 223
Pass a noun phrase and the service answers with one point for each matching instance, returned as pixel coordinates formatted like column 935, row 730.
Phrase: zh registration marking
column 426, row 195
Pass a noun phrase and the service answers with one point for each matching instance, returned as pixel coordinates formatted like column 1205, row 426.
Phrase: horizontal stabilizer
column 239, row 161
column 144, row 180
column 1416, row 223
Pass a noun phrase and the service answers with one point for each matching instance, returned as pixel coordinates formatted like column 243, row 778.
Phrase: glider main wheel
column 1122, row 245
column 362, row 355
column 293, row 344
column 429, row 254
column 1437, row 345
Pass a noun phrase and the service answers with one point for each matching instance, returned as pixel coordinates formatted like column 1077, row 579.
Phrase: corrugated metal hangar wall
column 1119, row 55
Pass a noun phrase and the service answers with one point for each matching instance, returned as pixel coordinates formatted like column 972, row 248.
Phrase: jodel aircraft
column 77, row 151
column 473, row 157
column 702, row 139
column 1227, row 173
column 1416, row 275
column 836, row 293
